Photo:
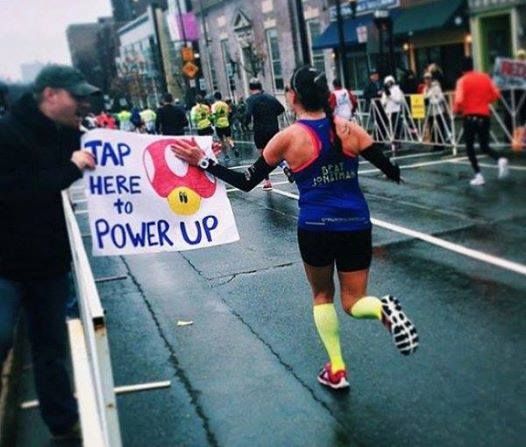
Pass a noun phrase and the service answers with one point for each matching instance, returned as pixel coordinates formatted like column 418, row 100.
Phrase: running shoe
column 478, row 180
column 403, row 332
column 504, row 170
column 267, row 186
column 336, row 380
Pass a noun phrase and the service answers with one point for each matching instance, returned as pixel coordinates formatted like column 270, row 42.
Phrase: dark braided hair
column 313, row 93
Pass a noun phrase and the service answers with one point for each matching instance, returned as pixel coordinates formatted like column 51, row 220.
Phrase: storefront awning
column 407, row 21
column 329, row 38
column 428, row 17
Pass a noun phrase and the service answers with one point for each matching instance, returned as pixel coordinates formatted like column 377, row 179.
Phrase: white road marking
column 260, row 186
column 486, row 165
column 478, row 255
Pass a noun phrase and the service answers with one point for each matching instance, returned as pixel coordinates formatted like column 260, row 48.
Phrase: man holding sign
column 39, row 157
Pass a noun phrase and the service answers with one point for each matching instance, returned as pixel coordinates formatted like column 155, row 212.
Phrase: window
column 275, row 62
column 318, row 61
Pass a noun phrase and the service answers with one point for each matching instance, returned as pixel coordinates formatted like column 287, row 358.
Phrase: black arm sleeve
column 374, row 155
column 245, row 181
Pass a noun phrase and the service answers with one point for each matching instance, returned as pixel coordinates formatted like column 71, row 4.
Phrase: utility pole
column 342, row 51
column 302, row 28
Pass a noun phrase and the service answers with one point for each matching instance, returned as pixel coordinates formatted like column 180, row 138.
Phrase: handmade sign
column 143, row 199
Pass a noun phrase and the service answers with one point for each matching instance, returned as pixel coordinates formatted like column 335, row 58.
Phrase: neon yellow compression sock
column 367, row 307
column 326, row 322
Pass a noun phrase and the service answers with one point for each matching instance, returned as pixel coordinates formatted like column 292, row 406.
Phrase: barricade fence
column 439, row 126
column 90, row 350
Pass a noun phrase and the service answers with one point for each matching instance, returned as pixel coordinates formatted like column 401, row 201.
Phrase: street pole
column 341, row 44
column 302, row 28
column 189, row 97
column 207, row 50
column 392, row 68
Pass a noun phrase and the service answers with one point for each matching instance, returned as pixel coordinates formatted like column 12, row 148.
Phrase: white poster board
column 143, row 199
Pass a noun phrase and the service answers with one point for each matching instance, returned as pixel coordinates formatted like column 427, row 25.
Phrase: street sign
column 418, row 109
column 361, row 33
column 190, row 70
column 187, row 54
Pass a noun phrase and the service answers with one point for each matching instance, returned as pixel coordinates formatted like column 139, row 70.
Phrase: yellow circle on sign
column 184, row 201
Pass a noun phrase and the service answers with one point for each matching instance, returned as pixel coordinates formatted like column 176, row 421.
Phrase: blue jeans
column 44, row 303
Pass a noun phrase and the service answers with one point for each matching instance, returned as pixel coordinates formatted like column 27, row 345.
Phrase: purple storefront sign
column 189, row 24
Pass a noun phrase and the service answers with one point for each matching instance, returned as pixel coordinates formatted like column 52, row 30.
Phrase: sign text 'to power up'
column 142, row 199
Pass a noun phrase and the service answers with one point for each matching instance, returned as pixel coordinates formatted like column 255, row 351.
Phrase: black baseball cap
column 66, row 77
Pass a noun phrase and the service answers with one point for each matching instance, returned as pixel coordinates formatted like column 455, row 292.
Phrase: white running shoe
column 478, row 180
column 403, row 331
column 504, row 170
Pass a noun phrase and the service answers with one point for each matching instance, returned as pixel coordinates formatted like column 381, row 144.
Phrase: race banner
column 510, row 73
column 143, row 199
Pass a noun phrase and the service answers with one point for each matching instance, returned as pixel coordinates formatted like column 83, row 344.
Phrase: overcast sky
column 35, row 30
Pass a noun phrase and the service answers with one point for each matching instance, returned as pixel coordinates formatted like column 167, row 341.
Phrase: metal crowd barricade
column 90, row 350
column 440, row 127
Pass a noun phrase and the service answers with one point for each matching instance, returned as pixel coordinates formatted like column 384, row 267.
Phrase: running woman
column 334, row 227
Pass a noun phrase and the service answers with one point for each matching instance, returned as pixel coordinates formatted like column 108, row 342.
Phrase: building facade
column 140, row 64
column 498, row 28
column 242, row 40
column 93, row 49
column 128, row 10
column 394, row 36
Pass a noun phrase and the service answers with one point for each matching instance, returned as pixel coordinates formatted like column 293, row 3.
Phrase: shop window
column 318, row 60
column 275, row 61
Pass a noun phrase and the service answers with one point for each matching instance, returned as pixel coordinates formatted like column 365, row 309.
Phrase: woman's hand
column 188, row 150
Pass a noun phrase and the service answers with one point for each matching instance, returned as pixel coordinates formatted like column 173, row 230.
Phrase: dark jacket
column 171, row 120
column 34, row 167
column 372, row 91
column 264, row 110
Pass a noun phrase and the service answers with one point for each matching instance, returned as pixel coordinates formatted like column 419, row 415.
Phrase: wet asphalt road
column 244, row 373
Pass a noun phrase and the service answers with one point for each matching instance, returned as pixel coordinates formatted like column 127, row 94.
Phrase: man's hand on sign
column 83, row 160
column 188, row 150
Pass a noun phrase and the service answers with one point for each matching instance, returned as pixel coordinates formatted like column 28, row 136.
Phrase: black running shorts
column 205, row 131
column 351, row 250
column 262, row 137
column 223, row 132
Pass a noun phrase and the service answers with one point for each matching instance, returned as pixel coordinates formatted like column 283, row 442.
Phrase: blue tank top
column 330, row 197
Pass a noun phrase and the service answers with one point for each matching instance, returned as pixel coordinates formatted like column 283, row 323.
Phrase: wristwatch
column 204, row 163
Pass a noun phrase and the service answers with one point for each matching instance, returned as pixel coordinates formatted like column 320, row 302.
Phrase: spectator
column 372, row 94
column 39, row 157
column 409, row 83
column 392, row 101
column 436, row 109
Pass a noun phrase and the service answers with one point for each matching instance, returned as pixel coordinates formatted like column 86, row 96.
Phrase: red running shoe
column 336, row 380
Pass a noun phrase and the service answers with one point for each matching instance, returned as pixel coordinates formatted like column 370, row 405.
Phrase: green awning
column 436, row 15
